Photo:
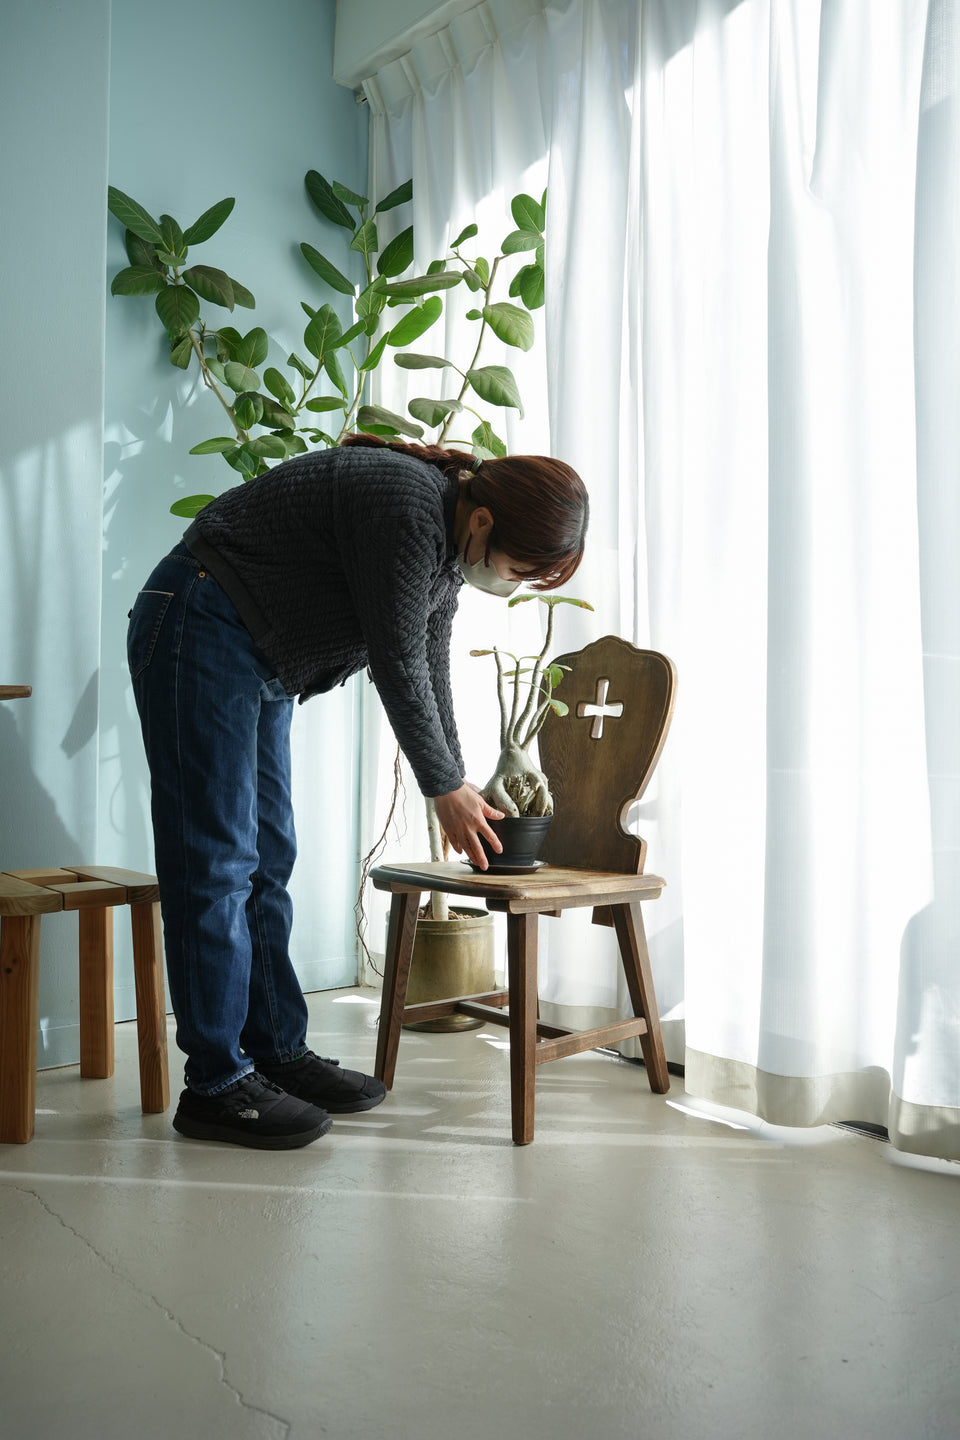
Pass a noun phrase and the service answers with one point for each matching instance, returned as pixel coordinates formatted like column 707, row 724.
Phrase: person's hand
column 464, row 815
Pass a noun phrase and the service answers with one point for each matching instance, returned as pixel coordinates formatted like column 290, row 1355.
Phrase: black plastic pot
column 522, row 837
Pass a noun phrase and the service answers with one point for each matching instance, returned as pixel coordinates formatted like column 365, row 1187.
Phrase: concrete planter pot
column 452, row 957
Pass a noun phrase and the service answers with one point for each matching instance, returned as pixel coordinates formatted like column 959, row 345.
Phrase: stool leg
column 522, row 978
column 19, row 1018
column 96, row 993
column 396, row 970
column 151, row 1007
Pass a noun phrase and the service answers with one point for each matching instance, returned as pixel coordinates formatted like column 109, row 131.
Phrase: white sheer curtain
column 752, row 359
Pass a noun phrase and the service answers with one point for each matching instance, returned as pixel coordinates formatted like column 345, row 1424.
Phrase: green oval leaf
column 375, row 356
column 209, row 222
column 396, row 197
column 300, row 366
column 178, row 308
column 466, row 234
column 323, row 332
column 369, row 415
column 370, row 302
column 216, row 446
column 322, row 195
column 325, row 402
column 420, row 285
column 252, row 348
column 142, row 253
column 398, row 255
column 497, row 385
column 137, row 280
column 433, row 412
column 279, row 386
column 181, row 352
column 332, row 366
column 418, row 320
column 519, row 240
column 510, row 324
column 172, row 237
column 140, row 221
column 326, row 271
column 421, row 362
column 191, row 505
column 349, row 197
column 269, row 447
column 239, row 378
column 366, row 239
column 248, row 409
column 486, row 440
column 275, row 416
column 241, row 295
column 530, row 285
column 210, row 284
column 528, row 214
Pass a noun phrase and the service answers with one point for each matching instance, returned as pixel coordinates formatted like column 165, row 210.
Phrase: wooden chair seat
column 592, row 861
column 93, row 891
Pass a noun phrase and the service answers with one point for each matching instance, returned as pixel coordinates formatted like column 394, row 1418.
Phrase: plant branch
column 211, row 383
column 476, row 354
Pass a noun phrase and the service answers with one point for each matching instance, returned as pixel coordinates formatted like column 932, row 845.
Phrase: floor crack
column 283, row 1426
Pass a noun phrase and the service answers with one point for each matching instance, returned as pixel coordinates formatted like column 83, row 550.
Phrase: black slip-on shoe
column 322, row 1082
column 253, row 1112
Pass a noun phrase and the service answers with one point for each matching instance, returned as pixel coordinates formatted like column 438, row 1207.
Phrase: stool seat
column 93, row 891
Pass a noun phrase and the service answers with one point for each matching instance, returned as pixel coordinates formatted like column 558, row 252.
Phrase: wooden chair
column 598, row 759
column 25, row 897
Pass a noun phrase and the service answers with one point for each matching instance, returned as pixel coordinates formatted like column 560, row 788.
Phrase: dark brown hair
column 539, row 505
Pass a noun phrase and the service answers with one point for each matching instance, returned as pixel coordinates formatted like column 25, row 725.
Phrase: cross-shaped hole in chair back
column 599, row 756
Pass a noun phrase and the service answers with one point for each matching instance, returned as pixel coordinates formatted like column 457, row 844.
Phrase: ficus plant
column 525, row 691
column 273, row 417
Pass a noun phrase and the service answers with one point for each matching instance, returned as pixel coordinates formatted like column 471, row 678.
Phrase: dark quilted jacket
column 344, row 558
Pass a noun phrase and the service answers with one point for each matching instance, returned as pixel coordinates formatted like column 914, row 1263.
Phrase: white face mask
column 484, row 577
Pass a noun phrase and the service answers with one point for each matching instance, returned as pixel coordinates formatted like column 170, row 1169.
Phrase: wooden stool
column 93, row 891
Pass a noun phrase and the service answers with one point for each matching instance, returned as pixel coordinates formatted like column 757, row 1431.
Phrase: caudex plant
column 518, row 786
column 273, row 417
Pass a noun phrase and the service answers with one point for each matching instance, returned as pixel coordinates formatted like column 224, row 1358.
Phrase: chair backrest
column 601, row 755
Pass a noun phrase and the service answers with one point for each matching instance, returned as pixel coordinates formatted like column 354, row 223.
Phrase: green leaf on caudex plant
column 178, row 308
column 398, row 255
column 474, row 315
column 436, row 267
column 323, row 332
column 466, row 234
column 482, row 267
column 209, row 222
column 269, row 447
column 241, row 295
column 528, row 214
column 217, row 446
column 374, row 415
column 173, row 240
column 349, row 197
column 301, row 366
column 215, row 367
column 400, row 196
column 376, row 355
column 240, row 378
column 519, row 240
column 181, row 351
column 191, row 505
column 433, row 412
column 366, row 239
column 276, row 416
column 140, row 221
column 415, row 322
column 322, row 195
column 497, row 385
column 328, row 272
column 210, row 284
column 167, row 258
column 141, row 252
column 420, row 285
column 558, row 707
column 421, row 362
column 530, row 285
column 472, row 280
column 244, row 460
column 309, row 310
column 361, row 328
column 485, row 438
column 324, row 403
column 279, row 386
column 137, row 280
column 248, row 409
column 296, row 445
column 510, row 324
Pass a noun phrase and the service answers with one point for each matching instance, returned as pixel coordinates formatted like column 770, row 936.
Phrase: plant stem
column 211, row 383
column 476, row 354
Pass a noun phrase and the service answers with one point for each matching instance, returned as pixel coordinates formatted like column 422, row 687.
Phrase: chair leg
column 522, row 978
column 401, row 933
column 636, row 967
column 96, row 993
column 19, row 1019
column 151, row 1007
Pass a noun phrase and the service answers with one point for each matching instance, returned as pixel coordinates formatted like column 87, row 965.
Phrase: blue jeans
column 216, row 729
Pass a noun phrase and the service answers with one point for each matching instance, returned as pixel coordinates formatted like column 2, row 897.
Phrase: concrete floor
column 644, row 1269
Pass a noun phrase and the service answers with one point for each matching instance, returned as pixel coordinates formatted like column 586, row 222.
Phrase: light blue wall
column 53, row 169
column 221, row 98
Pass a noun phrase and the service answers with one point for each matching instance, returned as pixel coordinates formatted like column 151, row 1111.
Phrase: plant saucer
column 505, row 869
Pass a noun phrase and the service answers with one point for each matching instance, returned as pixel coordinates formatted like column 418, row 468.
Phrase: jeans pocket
column 146, row 618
